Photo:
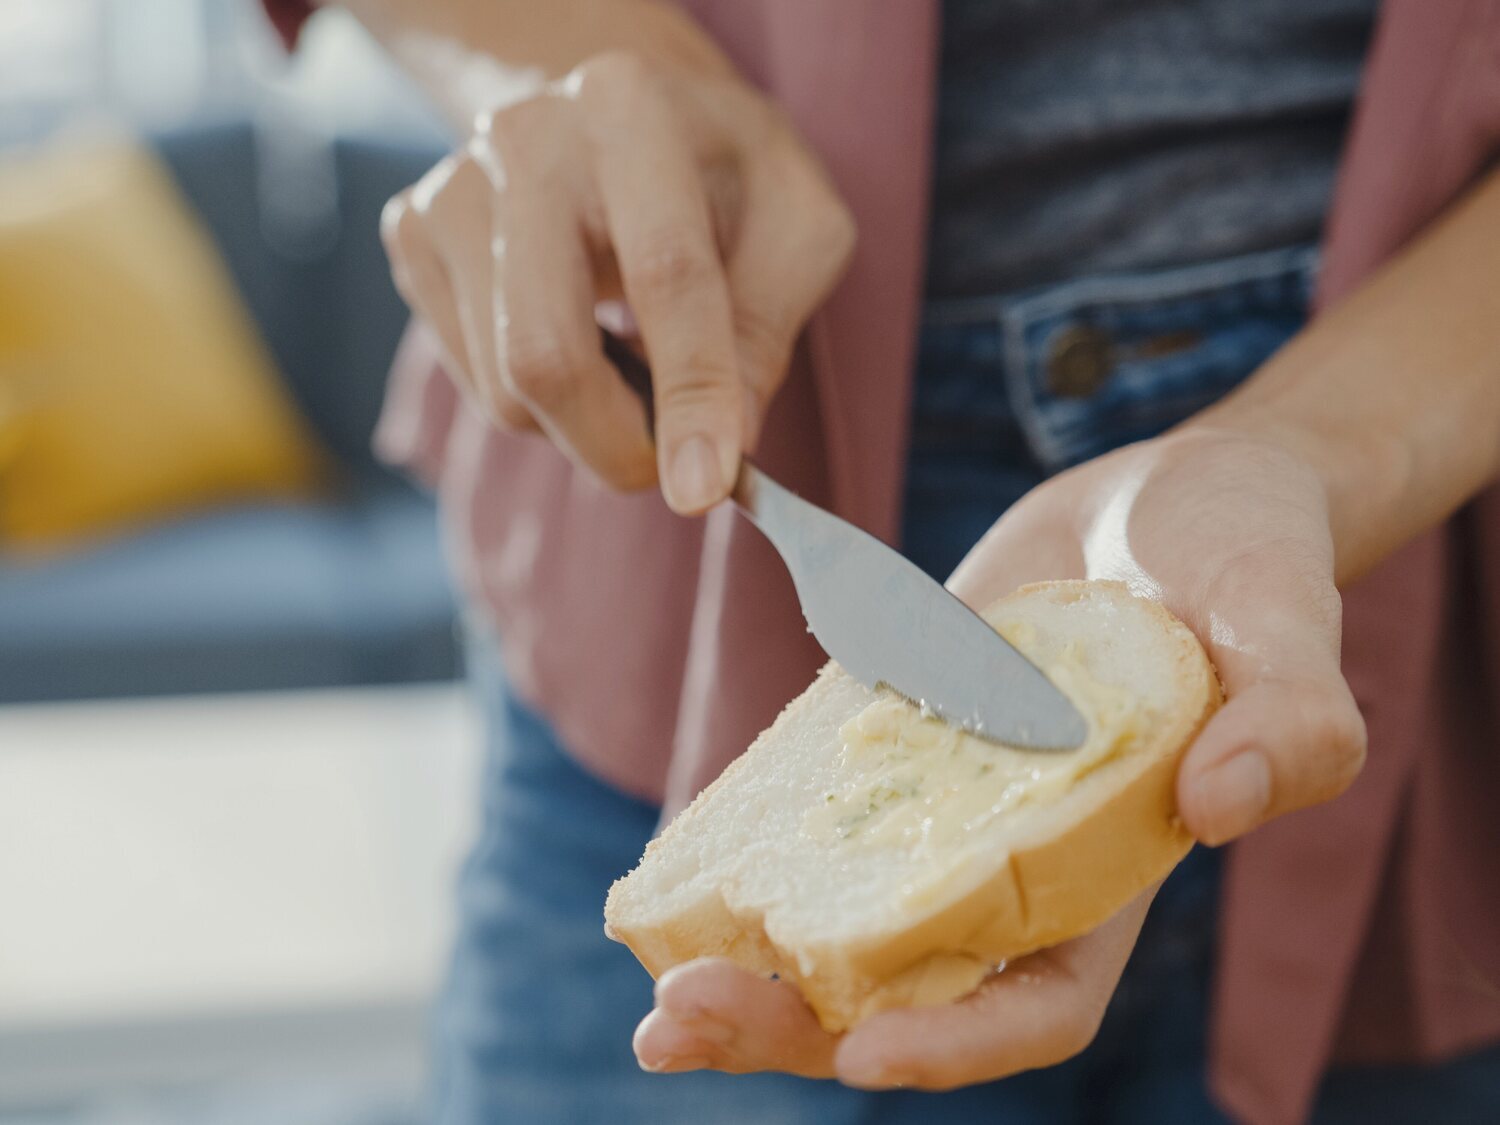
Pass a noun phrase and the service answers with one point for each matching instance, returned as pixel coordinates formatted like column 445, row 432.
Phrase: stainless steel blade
column 886, row 622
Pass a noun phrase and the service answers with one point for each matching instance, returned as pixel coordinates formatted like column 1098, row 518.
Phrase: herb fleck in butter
column 911, row 781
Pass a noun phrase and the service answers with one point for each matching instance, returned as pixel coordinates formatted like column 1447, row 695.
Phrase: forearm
column 1393, row 396
column 473, row 55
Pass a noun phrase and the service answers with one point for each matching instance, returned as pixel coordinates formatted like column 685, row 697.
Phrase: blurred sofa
column 272, row 596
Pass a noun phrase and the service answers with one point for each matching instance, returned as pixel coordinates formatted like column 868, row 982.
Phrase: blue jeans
column 535, row 1024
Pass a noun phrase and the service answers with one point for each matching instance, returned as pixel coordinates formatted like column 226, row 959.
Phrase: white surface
column 228, row 855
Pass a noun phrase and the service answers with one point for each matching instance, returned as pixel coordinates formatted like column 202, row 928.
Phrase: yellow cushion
column 133, row 384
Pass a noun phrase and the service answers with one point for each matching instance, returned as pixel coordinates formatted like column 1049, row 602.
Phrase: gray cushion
column 326, row 305
column 263, row 597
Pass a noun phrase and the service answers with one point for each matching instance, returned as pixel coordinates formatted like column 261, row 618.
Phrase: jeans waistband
column 1093, row 363
column 1287, row 263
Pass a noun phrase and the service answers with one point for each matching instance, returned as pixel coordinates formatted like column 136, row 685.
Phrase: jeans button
column 1079, row 359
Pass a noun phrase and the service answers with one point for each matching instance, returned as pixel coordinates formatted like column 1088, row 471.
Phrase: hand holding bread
column 1231, row 536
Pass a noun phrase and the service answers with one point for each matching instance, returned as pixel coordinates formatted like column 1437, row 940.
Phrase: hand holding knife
column 886, row 622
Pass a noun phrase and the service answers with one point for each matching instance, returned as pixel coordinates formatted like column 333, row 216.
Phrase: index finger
column 658, row 219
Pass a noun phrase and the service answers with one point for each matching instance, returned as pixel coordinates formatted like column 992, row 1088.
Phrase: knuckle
column 464, row 186
column 394, row 216
column 610, row 75
column 485, row 153
column 827, row 226
column 402, row 235
column 433, row 181
column 453, row 188
column 707, row 387
column 1325, row 746
column 1339, row 731
column 541, row 372
column 517, row 124
column 671, row 266
column 837, row 230
column 533, row 143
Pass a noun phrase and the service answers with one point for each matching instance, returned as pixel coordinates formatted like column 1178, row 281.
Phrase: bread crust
column 1065, row 883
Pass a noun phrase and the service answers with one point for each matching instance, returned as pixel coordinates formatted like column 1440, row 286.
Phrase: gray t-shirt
column 1087, row 136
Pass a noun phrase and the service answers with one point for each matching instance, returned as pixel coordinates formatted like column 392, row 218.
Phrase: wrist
column 1364, row 479
column 472, row 56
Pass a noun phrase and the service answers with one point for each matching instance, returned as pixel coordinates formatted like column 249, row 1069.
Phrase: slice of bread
column 879, row 858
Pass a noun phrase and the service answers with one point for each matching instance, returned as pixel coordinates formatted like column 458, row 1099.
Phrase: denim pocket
column 1094, row 364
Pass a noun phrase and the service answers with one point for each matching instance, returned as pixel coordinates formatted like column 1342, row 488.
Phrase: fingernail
column 870, row 1074
column 671, row 1064
column 696, row 480
column 1235, row 794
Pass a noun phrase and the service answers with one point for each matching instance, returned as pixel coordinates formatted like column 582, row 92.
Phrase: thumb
column 1281, row 743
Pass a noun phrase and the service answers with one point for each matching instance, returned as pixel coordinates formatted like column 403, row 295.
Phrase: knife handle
column 636, row 373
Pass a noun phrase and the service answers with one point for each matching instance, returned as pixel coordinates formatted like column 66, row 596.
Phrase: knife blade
column 884, row 620
column 887, row 623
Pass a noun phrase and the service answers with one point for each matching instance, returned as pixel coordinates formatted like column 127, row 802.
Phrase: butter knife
column 887, row 623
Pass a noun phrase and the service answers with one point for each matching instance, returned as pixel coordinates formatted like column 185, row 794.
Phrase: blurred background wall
column 235, row 758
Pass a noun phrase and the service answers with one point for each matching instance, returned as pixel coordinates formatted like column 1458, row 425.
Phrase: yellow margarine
column 911, row 781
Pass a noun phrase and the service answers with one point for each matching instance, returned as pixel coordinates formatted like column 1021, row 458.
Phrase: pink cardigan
column 1368, row 929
